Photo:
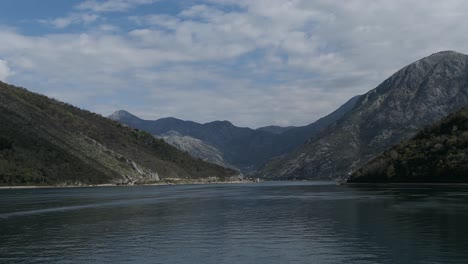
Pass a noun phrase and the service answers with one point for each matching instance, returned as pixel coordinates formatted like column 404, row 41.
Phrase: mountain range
column 418, row 95
column 244, row 148
column 47, row 142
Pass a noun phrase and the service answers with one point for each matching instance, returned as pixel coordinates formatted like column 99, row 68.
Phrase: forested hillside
column 47, row 142
column 437, row 154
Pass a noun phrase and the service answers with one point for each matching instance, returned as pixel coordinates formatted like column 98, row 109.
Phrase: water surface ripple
column 280, row 222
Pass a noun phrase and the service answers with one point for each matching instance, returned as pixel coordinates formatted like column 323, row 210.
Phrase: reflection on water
column 252, row 223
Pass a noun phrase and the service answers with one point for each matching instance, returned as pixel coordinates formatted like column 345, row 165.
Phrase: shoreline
column 21, row 187
column 408, row 184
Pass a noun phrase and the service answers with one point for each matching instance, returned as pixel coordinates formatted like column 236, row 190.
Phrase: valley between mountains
column 411, row 128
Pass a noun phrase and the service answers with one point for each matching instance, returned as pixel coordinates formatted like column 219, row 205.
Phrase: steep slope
column 46, row 142
column 417, row 95
column 244, row 148
column 295, row 137
column 437, row 154
column 196, row 148
column 275, row 129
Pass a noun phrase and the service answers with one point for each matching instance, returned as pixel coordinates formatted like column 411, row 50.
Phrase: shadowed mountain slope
column 275, row 129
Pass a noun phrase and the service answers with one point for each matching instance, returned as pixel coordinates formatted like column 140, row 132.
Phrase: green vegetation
column 47, row 142
column 437, row 154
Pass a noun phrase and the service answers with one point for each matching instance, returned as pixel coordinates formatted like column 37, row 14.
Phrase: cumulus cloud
column 252, row 62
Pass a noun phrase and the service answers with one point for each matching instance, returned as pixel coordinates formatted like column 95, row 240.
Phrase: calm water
column 251, row 223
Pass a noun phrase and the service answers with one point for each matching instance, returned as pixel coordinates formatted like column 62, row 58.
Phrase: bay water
column 271, row 222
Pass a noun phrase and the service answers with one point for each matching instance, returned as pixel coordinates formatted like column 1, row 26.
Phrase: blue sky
column 253, row 62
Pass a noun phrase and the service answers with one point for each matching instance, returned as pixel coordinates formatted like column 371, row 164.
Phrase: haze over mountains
column 246, row 149
column 47, row 142
column 417, row 95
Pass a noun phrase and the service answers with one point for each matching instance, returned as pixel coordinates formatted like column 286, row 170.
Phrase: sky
column 252, row 62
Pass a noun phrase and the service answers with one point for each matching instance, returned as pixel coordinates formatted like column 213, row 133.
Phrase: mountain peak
column 220, row 123
column 446, row 52
column 442, row 55
column 122, row 114
column 170, row 119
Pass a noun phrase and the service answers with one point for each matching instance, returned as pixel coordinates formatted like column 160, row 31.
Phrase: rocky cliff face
column 417, row 95
column 196, row 148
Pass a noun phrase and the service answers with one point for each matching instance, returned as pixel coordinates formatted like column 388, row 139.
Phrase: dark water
column 252, row 223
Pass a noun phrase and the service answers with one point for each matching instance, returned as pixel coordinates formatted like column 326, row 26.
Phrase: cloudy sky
column 253, row 62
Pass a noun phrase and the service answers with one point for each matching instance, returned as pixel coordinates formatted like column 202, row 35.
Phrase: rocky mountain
column 244, row 148
column 275, row 129
column 295, row 137
column 414, row 97
column 437, row 154
column 47, row 142
column 196, row 148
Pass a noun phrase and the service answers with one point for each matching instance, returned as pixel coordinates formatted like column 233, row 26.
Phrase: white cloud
column 112, row 5
column 5, row 70
column 73, row 18
column 255, row 63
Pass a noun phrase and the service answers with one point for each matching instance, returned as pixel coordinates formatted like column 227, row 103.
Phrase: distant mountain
column 275, row 129
column 126, row 117
column 196, row 148
column 414, row 97
column 437, row 154
column 244, row 148
column 47, row 142
column 241, row 147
